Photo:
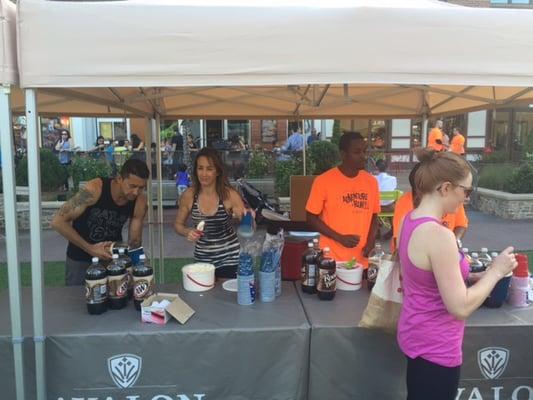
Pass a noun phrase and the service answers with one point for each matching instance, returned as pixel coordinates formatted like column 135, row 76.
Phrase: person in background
column 312, row 138
column 456, row 221
column 94, row 217
column 177, row 147
column 436, row 300
column 386, row 183
column 344, row 203
column 136, row 143
column 212, row 200
column 99, row 146
column 127, row 145
column 237, row 143
column 65, row 147
column 183, row 180
column 191, row 143
column 457, row 144
column 295, row 142
column 436, row 137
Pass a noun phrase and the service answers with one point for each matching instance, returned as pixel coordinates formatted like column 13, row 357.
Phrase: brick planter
column 505, row 205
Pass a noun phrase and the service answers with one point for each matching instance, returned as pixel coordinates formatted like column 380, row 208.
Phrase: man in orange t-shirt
column 436, row 137
column 457, row 144
column 344, row 203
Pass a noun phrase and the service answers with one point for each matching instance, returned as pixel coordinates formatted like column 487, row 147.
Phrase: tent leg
column 10, row 211
column 305, row 145
column 149, row 189
column 155, row 128
column 34, row 183
column 424, row 130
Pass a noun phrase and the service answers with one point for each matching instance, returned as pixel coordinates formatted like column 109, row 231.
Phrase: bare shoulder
column 187, row 198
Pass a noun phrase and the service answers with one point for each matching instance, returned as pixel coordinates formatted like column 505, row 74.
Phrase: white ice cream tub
column 198, row 277
column 349, row 279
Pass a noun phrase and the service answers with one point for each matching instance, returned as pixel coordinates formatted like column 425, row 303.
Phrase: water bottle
column 484, row 257
column 374, row 262
column 465, row 252
column 143, row 282
column 476, row 265
column 96, row 288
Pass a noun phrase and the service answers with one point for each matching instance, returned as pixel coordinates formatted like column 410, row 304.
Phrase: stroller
column 255, row 199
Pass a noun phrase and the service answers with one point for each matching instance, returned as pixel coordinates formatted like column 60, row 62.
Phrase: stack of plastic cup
column 267, row 277
column 245, row 280
column 519, row 283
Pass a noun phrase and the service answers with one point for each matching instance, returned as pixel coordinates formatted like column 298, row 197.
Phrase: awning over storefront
column 8, row 36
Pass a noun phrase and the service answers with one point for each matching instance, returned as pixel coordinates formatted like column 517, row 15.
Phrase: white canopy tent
column 9, row 77
column 288, row 59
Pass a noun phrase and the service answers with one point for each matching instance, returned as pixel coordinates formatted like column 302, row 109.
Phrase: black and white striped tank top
column 219, row 245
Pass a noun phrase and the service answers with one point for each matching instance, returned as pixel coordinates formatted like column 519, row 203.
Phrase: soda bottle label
column 96, row 291
column 118, row 286
column 327, row 280
column 308, row 274
column 373, row 268
column 143, row 287
column 130, row 277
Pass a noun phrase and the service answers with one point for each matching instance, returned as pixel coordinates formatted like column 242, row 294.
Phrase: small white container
column 349, row 279
column 198, row 277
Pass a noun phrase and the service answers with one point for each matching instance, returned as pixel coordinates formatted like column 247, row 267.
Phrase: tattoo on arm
column 82, row 198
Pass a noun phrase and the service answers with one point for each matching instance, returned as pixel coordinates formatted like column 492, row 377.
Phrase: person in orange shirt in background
column 457, row 144
column 436, row 137
column 456, row 222
column 344, row 203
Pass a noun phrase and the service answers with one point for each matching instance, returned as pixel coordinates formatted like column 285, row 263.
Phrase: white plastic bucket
column 198, row 277
column 349, row 279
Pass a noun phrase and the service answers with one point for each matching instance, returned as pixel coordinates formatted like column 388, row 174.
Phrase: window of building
column 269, row 131
column 511, row 2
column 112, row 129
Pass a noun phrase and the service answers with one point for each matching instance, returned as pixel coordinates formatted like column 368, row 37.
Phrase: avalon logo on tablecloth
column 492, row 361
column 124, row 369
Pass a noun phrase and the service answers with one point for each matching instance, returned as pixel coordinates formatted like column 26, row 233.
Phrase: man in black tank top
column 94, row 217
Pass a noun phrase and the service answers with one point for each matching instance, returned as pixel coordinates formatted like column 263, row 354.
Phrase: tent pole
column 149, row 189
column 305, row 145
column 156, row 128
column 34, row 183
column 424, row 130
column 11, row 229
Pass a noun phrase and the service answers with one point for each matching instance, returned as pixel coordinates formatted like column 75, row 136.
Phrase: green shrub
column 53, row 174
column 495, row 177
column 285, row 169
column 86, row 168
column 260, row 165
column 337, row 133
column 522, row 179
column 169, row 131
column 497, row 156
column 324, row 154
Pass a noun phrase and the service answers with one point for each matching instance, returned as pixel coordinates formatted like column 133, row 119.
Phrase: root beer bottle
column 128, row 264
column 96, row 288
column 327, row 277
column 143, row 281
column 117, row 284
column 309, row 266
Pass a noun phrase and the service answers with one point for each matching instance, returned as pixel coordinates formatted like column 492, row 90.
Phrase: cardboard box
column 178, row 309
column 300, row 190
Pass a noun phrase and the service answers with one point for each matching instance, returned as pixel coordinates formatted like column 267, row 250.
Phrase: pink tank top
column 426, row 329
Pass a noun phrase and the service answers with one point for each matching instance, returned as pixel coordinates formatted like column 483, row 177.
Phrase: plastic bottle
column 327, row 277
column 466, row 254
column 484, row 257
column 117, row 284
column 96, row 288
column 143, row 281
column 374, row 262
column 128, row 264
column 309, row 267
column 476, row 265
column 246, row 288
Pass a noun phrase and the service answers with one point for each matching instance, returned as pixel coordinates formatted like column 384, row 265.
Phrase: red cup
column 522, row 270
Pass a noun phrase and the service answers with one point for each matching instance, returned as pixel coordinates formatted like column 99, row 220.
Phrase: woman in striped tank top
column 211, row 199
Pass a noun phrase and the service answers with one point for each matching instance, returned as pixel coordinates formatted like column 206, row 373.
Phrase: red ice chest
column 291, row 258
column 522, row 270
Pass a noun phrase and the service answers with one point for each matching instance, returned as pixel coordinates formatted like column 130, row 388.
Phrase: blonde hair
column 438, row 167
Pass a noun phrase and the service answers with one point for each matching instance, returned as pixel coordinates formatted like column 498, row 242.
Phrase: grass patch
column 54, row 272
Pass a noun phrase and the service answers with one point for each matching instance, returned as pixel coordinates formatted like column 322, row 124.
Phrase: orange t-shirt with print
column 458, row 144
column 434, row 135
column 346, row 205
column 405, row 204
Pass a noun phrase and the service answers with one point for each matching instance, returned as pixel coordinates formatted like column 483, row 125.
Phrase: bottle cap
column 121, row 250
column 474, row 255
column 326, row 249
column 95, row 260
column 494, row 254
column 310, row 244
column 465, row 249
column 142, row 257
column 115, row 256
column 315, row 240
column 484, row 250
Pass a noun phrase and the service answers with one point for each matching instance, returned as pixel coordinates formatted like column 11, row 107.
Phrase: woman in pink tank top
column 436, row 299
